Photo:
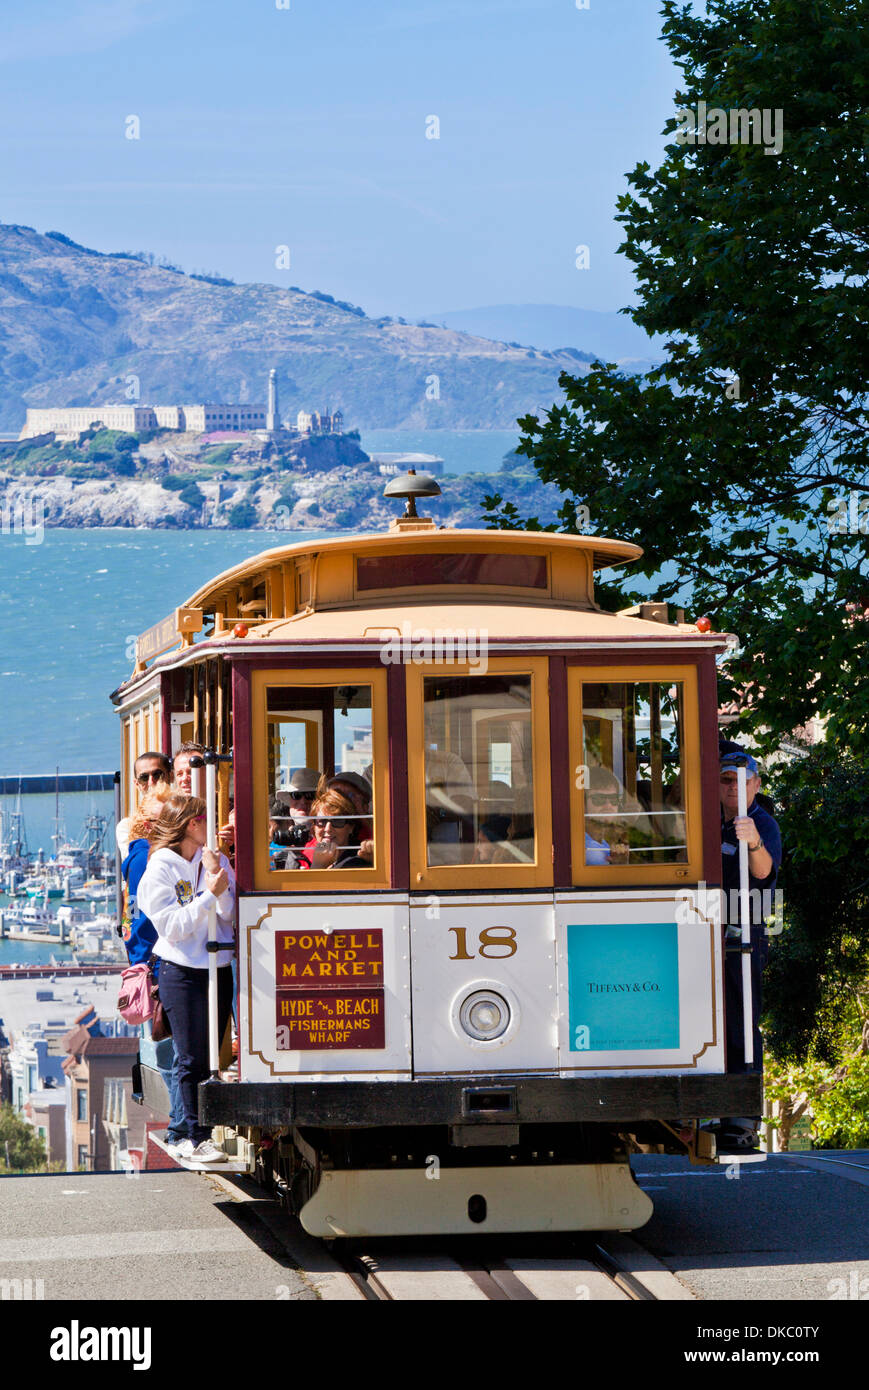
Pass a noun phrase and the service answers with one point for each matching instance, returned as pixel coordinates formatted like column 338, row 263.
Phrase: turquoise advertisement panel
column 624, row 987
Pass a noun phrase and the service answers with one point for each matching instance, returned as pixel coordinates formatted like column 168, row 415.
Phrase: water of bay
column 72, row 607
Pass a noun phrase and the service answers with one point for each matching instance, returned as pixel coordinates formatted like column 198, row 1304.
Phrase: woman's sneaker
column 207, row 1152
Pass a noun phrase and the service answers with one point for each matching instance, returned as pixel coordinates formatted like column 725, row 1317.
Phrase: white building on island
column 68, row 422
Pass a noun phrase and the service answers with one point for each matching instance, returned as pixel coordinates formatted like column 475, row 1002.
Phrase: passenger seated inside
column 290, row 825
column 449, row 808
column 357, row 790
column 632, row 733
column 605, row 839
column 518, row 848
column 337, row 843
column 491, row 837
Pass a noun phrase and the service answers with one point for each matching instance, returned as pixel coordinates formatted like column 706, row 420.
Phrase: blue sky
column 306, row 127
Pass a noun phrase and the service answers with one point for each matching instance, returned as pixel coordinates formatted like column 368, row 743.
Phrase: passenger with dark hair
column 183, row 882
column 491, row 836
column 149, row 770
column 181, row 765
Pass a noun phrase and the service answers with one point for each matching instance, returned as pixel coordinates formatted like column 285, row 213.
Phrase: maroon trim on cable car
column 407, row 571
column 166, row 687
column 560, row 773
column 242, row 764
column 647, row 658
column 399, row 820
column 710, row 794
column 306, row 661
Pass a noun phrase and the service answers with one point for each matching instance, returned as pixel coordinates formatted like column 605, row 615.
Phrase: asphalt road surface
column 794, row 1227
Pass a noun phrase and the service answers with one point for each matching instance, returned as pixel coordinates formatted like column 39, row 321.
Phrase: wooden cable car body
column 475, row 1029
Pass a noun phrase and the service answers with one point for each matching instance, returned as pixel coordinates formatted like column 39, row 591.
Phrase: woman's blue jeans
column 184, row 995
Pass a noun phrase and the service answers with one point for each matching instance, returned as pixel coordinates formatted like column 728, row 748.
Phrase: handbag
column 160, row 1026
column 135, row 999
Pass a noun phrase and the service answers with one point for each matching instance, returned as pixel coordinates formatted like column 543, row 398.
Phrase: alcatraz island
column 234, row 466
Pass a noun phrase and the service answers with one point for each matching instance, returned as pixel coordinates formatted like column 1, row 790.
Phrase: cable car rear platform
column 479, row 1100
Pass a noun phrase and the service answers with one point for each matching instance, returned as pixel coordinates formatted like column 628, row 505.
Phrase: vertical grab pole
column 211, row 814
column 745, row 919
column 119, row 881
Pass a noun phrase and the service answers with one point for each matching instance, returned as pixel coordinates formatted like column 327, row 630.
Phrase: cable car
column 475, row 1026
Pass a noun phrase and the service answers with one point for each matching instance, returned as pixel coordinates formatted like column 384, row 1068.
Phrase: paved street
column 164, row 1234
column 785, row 1229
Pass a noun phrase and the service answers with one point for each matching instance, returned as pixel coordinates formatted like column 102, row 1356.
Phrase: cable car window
column 403, row 571
column 632, row 773
column 320, row 777
column 479, row 789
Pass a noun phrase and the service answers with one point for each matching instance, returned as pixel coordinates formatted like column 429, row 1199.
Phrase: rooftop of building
column 19, row 1006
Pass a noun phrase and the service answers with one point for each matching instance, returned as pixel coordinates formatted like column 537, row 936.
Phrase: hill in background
column 76, row 326
column 611, row 336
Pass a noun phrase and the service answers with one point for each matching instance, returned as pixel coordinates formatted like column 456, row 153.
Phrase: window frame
column 425, row 876
column 639, row 875
column 320, row 880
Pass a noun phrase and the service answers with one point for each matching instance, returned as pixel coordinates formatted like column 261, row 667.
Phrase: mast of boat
column 57, row 837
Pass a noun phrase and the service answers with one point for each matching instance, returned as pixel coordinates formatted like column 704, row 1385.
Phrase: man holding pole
column 751, row 854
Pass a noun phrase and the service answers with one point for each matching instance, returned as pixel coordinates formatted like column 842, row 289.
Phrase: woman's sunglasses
column 300, row 796
column 602, row 798
column 336, row 822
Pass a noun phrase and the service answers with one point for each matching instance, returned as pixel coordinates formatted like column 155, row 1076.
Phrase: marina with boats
column 67, row 899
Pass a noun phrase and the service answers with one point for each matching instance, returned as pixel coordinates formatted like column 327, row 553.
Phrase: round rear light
column 484, row 1015
column 240, row 630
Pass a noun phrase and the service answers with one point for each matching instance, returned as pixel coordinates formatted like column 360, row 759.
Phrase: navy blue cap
column 734, row 760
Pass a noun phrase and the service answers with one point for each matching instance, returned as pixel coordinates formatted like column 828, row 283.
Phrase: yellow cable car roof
column 604, row 552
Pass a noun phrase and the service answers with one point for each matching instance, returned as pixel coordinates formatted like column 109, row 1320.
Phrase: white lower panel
column 320, row 978
column 559, row 1197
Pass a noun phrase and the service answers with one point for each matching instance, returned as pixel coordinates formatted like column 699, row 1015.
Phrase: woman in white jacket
column 182, row 881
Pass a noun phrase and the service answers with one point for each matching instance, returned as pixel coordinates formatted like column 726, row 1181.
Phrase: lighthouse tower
column 273, row 419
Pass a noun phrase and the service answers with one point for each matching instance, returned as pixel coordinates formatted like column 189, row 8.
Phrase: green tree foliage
column 243, row 515
column 26, row 1151
column 816, row 986
column 740, row 462
column 191, row 495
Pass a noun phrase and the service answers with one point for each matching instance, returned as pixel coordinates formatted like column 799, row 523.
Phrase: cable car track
column 521, row 1268
column 387, row 1275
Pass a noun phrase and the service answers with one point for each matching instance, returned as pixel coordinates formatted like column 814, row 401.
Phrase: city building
column 358, row 755
column 90, row 1063
column 127, row 1126
column 46, row 1111
column 36, row 1060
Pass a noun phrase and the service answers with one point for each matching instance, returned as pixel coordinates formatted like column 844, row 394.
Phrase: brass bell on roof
column 411, row 485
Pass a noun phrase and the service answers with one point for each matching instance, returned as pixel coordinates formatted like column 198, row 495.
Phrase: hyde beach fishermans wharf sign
column 329, row 990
